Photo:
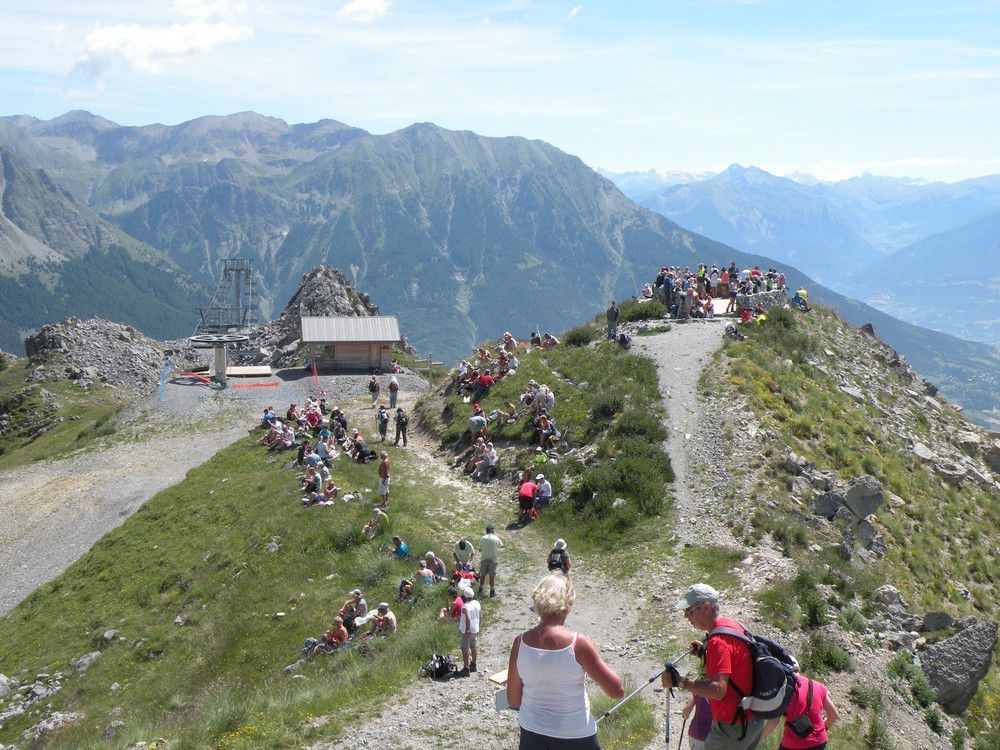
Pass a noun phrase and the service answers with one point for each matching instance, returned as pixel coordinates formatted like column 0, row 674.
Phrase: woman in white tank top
column 546, row 675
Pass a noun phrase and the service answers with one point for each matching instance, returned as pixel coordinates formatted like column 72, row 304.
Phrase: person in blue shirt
column 399, row 548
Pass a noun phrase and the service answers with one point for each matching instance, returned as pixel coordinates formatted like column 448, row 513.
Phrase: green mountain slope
column 58, row 258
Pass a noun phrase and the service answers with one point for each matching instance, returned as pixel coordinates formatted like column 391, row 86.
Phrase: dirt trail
column 53, row 511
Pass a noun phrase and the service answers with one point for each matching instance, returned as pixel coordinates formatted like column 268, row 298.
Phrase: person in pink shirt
column 805, row 725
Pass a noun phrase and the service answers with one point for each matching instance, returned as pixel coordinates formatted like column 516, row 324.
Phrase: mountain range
column 460, row 235
column 921, row 251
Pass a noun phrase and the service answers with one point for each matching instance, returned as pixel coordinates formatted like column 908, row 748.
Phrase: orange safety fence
column 196, row 375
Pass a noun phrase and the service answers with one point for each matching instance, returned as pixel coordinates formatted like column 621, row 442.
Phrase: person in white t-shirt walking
column 468, row 626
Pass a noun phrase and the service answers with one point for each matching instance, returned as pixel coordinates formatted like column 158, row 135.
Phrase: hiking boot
column 472, row 667
column 493, row 592
column 462, row 672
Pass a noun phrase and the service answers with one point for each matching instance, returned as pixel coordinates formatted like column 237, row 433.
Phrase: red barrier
column 319, row 386
column 272, row 384
column 196, row 375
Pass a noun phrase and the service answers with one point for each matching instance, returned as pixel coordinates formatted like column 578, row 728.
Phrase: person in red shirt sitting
column 482, row 387
column 728, row 673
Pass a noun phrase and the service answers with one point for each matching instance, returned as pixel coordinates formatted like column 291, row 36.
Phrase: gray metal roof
column 346, row 329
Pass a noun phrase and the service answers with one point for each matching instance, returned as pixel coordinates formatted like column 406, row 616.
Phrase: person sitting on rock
column 549, row 341
column 312, row 482
column 536, row 340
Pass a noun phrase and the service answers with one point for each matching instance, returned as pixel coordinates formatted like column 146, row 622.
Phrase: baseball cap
column 698, row 594
column 356, row 592
column 540, row 476
column 383, row 606
column 560, row 544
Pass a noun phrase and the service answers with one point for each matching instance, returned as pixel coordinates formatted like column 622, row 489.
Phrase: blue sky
column 832, row 88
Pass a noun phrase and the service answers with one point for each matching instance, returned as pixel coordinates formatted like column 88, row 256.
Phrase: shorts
column 383, row 485
column 469, row 641
column 532, row 741
column 525, row 503
column 487, row 568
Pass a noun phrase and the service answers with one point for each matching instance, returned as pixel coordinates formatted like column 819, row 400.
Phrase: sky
column 834, row 89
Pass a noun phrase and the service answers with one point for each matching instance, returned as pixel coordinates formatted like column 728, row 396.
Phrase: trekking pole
column 639, row 689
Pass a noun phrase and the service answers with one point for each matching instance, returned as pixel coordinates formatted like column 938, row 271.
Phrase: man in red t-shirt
column 727, row 664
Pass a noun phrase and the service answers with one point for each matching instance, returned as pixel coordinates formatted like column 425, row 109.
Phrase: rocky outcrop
column 955, row 665
column 95, row 351
column 851, row 506
column 766, row 300
column 323, row 291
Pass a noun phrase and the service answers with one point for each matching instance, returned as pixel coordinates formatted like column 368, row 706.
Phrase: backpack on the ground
column 439, row 667
column 773, row 675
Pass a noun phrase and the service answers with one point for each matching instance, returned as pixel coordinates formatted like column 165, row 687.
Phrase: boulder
column 992, row 456
column 923, row 452
column 112, row 729
column 865, row 534
column 85, row 661
column 828, row 504
column 889, row 596
column 854, row 393
column 951, row 472
column 6, row 685
column 864, row 496
column 933, row 403
column 794, row 463
column 936, row 621
column 109, row 635
column 868, row 329
column 955, row 665
column 38, row 734
column 969, row 442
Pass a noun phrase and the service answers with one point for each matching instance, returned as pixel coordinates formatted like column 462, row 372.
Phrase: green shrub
column 864, row 696
column 934, row 719
column 959, row 737
column 633, row 310
column 923, row 693
column 779, row 317
column 822, row 657
column 852, row 620
column 639, row 424
column 607, row 406
column 581, row 335
column 877, row 737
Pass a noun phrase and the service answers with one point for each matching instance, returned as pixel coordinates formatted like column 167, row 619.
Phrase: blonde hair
column 553, row 594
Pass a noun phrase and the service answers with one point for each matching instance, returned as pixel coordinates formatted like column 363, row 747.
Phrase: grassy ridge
column 606, row 398
column 940, row 536
column 198, row 550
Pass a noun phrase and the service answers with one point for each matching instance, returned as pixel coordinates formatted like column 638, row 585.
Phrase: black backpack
column 773, row 675
column 439, row 667
column 557, row 559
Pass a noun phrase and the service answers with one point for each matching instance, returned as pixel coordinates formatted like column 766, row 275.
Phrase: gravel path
column 694, row 435
column 52, row 512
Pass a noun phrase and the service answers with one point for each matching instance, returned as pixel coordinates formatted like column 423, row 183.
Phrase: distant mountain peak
column 81, row 117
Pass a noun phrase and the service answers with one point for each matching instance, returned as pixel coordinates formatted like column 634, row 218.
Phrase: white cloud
column 145, row 48
column 364, row 11
column 574, row 12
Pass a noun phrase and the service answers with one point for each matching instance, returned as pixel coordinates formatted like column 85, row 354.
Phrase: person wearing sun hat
column 728, row 672
column 558, row 560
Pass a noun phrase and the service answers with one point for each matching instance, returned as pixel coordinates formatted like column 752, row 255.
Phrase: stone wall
column 766, row 300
